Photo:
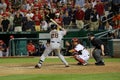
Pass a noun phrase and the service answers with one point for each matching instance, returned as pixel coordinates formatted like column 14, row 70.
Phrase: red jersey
column 37, row 18
column 30, row 47
column 37, row 6
column 100, row 9
column 117, row 27
column 30, row 1
column 80, row 14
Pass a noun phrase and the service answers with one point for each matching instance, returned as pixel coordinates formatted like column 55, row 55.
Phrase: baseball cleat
column 101, row 63
column 79, row 63
column 84, row 64
column 67, row 66
column 38, row 66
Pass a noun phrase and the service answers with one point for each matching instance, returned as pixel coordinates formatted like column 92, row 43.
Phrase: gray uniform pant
column 97, row 55
column 57, row 52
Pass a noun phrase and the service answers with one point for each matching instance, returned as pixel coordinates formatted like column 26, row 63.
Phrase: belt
column 54, row 42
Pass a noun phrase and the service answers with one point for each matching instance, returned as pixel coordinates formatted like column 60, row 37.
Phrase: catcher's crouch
column 79, row 52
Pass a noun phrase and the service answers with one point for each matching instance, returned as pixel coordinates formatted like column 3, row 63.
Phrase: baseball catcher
column 79, row 52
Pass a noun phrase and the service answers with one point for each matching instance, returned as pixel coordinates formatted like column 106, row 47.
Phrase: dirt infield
column 55, row 68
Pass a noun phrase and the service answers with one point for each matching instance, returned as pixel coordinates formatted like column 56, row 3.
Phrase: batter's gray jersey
column 56, row 37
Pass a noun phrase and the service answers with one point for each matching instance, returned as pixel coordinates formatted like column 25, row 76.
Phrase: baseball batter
column 79, row 52
column 55, row 44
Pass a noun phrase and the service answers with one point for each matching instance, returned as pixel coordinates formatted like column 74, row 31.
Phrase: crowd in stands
column 32, row 15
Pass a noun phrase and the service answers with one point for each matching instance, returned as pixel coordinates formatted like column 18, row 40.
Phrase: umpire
column 98, row 51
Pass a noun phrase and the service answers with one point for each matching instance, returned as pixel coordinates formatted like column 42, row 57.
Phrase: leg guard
column 79, row 59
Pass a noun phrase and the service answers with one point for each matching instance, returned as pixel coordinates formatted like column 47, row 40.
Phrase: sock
column 40, row 62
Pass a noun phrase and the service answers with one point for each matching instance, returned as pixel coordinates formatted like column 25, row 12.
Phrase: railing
column 14, row 48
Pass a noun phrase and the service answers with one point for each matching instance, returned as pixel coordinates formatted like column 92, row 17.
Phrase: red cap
column 11, row 37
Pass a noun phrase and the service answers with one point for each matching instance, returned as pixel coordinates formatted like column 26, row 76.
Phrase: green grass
column 35, row 59
column 102, row 76
column 98, row 76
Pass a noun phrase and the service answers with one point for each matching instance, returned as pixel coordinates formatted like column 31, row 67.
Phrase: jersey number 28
column 54, row 35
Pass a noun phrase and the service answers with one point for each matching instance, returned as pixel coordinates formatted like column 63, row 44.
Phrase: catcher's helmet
column 53, row 26
column 75, row 40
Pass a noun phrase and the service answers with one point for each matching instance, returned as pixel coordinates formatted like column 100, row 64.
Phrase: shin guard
column 79, row 59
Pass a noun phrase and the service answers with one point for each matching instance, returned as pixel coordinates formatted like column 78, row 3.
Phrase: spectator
column 87, row 14
column 3, row 6
column 16, row 4
column 37, row 18
column 30, row 14
column 116, row 19
column 79, row 17
column 5, row 24
column 101, row 26
column 100, row 8
column 37, row 5
column 94, row 20
column 30, row 1
column 44, row 24
column 26, row 5
column 1, row 28
column 116, row 6
column 107, row 6
column 80, row 2
column 3, row 48
column 108, row 27
column 86, row 5
column 40, row 48
column 11, row 45
column 29, row 25
column 69, row 8
column 17, row 22
column 52, row 14
column 24, row 20
column 11, row 18
column 73, row 20
column 66, row 20
column 116, row 26
column 10, row 9
column 31, row 49
column 52, row 7
column 93, row 2
column 58, row 18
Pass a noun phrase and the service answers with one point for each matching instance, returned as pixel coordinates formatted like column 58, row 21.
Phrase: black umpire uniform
column 98, row 50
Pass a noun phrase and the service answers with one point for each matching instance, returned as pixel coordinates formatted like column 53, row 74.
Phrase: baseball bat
column 55, row 22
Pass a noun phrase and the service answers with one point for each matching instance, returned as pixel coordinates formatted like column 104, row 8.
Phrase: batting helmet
column 53, row 26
